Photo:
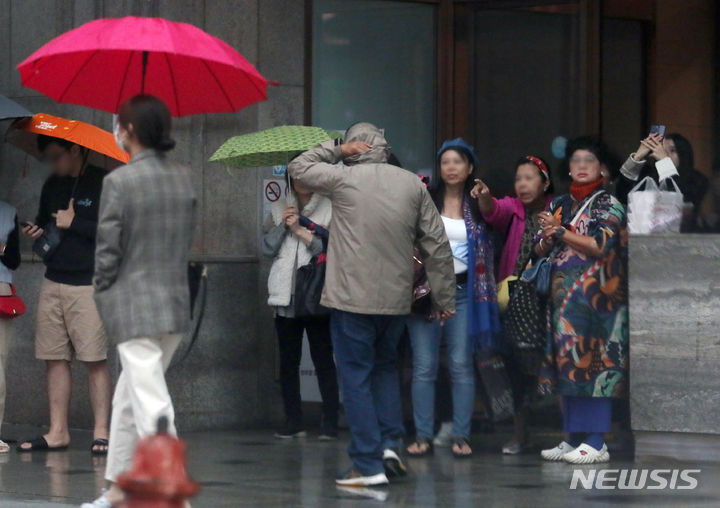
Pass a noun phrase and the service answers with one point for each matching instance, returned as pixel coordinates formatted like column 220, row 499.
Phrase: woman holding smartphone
column 672, row 157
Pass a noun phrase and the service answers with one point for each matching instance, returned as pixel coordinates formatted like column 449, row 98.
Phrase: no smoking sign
column 272, row 191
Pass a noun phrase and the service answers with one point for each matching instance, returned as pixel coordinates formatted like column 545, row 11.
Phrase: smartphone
column 657, row 129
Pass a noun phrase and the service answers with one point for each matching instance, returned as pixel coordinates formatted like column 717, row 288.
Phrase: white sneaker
column 556, row 454
column 586, row 454
column 374, row 494
column 444, row 436
column 355, row 479
column 101, row 502
column 4, row 447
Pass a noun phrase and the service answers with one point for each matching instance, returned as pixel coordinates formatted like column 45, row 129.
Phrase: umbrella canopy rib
column 219, row 84
column 124, row 80
column 72, row 81
column 172, row 80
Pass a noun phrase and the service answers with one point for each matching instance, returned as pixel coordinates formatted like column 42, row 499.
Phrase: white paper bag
column 655, row 209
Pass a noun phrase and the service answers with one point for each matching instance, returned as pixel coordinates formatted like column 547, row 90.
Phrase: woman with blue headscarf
column 476, row 323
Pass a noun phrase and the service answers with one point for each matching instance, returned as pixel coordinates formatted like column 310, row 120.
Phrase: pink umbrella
column 104, row 62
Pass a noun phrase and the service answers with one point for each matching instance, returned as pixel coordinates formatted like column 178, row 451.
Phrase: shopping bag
column 654, row 209
column 668, row 208
column 641, row 206
column 495, row 385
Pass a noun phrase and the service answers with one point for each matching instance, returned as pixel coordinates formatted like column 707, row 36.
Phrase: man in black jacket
column 68, row 323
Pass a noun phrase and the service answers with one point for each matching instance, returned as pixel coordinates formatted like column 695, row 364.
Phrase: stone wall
column 229, row 378
column 674, row 346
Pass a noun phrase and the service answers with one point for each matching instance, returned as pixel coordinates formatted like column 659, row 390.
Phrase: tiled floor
column 253, row 469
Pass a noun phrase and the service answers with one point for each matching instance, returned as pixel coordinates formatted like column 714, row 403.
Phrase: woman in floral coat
column 585, row 235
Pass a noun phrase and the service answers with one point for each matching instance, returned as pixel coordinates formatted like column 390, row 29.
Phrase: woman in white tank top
column 476, row 321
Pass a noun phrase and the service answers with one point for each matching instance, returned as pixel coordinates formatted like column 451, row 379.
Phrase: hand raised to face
column 355, row 148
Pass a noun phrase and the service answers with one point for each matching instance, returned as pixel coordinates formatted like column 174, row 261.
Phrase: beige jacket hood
column 370, row 134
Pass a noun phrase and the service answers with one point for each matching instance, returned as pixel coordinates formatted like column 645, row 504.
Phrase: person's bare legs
column 100, row 388
column 59, row 388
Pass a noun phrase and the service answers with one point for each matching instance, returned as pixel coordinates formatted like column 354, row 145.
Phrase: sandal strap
column 461, row 441
column 422, row 442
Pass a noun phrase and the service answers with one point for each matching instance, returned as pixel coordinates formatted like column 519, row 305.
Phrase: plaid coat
column 147, row 212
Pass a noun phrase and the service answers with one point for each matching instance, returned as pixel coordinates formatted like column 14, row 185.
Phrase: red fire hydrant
column 158, row 478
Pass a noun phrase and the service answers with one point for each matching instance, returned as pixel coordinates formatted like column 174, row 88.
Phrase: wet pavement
column 251, row 468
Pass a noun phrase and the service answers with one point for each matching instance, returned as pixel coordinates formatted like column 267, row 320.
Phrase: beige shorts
column 68, row 324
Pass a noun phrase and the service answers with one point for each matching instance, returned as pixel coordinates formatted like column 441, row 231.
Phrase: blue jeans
column 366, row 357
column 425, row 338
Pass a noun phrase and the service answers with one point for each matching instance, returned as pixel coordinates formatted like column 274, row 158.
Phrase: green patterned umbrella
column 271, row 147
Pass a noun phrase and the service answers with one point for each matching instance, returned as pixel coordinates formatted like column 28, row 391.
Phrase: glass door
column 525, row 86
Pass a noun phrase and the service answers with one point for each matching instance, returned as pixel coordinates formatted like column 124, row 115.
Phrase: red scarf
column 580, row 191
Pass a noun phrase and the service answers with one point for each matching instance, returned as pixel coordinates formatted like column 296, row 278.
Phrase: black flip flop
column 39, row 444
column 420, row 442
column 99, row 442
column 460, row 442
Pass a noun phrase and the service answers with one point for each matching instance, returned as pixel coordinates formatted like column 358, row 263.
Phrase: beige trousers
column 141, row 397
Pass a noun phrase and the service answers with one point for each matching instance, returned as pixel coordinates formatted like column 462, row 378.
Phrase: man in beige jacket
column 379, row 212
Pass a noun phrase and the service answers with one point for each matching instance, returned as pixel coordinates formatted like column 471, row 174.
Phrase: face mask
column 116, row 132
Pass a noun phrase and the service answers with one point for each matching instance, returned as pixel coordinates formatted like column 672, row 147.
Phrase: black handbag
column 525, row 325
column 309, row 283
column 310, row 279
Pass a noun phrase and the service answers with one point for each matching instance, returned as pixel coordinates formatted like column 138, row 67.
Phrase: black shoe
column 290, row 430
column 394, row 467
column 328, row 431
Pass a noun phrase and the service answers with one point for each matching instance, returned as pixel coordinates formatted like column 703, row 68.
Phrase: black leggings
column 290, row 336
